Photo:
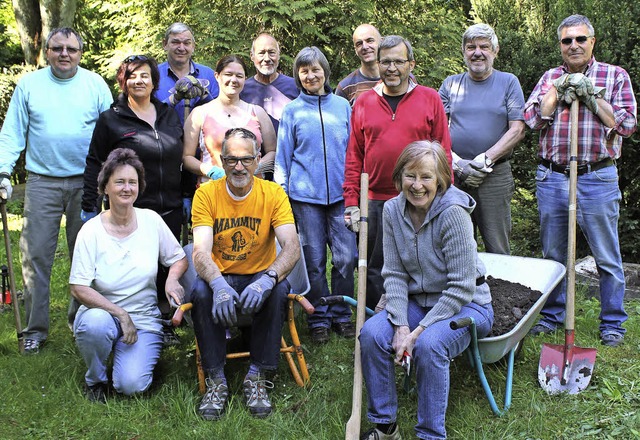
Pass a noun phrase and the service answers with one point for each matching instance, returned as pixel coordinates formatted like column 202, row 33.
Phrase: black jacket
column 159, row 149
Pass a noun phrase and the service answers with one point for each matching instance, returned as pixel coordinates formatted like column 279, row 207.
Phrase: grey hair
column 480, row 30
column 177, row 28
column 66, row 31
column 264, row 34
column 576, row 20
column 240, row 133
column 307, row 57
column 392, row 41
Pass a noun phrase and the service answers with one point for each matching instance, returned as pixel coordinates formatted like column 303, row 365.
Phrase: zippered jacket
column 159, row 149
column 312, row 145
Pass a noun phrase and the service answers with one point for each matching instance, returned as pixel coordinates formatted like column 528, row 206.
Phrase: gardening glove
column 86, row 216
column 582, row 85
column 5, row 186
column 215, row 173
column 469, row 172
column 254, row 295
column 224, row 299
column 566, row 90
column 352, row 218
column 188, row 88
column 186, row 209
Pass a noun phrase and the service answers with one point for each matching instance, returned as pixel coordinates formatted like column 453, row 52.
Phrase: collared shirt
column 596, row 142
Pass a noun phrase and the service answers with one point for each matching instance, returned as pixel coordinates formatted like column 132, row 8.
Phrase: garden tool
column 12, row 281
column 568, row 368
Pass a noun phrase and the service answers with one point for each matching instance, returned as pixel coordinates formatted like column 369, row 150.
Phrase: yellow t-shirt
column 244, row 240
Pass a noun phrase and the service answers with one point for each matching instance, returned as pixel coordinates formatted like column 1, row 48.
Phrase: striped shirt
column 596, row 142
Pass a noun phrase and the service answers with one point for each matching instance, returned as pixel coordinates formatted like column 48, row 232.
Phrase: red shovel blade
column 565, row 368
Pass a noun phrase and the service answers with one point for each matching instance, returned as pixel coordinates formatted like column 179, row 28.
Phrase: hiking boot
column 376, row 434
column 213, row 402
column 344, row 329
column 96, row 393
column 31, row 346
column 611, row 338
column 256, row 397
column 541, row 329
column 169, row 336
column 320, row 335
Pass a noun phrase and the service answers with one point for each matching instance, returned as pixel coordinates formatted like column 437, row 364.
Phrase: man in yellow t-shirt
column 236, row 220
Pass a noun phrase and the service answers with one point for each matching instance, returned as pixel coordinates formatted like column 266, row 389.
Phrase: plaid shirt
column 596, row 142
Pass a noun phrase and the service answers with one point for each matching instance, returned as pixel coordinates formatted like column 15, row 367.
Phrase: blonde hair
column 417, row 151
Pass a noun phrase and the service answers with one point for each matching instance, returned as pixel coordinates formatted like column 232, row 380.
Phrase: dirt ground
column 511, row 301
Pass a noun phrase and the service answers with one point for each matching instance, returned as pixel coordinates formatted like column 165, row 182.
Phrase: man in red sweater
column 385, row 120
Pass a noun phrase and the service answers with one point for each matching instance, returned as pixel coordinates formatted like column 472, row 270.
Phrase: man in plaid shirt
column 607, row 114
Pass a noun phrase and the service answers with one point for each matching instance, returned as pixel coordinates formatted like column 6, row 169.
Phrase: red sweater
column 378, row 136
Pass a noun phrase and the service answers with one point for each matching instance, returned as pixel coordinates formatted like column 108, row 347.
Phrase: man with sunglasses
column 236, row 221
column 607, row 114
column 52, row 115
column 384, row 120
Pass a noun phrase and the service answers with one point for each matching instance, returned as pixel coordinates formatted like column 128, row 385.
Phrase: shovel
column 12, row 281
column 568, row 368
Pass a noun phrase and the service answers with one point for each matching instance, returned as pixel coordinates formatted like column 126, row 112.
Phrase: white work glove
column 5, row 186
column 469, row 172
column 352, row 218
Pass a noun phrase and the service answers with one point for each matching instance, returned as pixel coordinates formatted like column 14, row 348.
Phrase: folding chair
column 299, row 282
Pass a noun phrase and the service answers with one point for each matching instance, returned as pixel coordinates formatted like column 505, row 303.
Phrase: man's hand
column 224, row 299
column 188, row 88
column 215, row 173
column 129, row 331
column 254, row 295
column 352, row 218
column 86, row 216
column 5, row 186
column 470, row 173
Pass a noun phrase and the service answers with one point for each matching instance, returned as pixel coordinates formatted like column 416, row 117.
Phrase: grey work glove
column 224, row 299
column 470, row 173
column 565, row 88
column 5, row 186
column 254, row 295
column 188, row 87
column 352, row 218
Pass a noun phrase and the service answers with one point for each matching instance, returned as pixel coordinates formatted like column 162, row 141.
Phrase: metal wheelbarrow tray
column 535, row 273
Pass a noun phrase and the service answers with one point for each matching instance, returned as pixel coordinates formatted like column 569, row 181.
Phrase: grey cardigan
column 437, row 266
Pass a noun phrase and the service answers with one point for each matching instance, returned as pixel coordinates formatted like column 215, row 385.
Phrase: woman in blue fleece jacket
column 312, row 144
column 432, row 275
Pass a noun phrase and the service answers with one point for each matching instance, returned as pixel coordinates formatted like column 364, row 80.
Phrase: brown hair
column 133, row 62
column 117, row 158
column 228, row 59
column 415, row 152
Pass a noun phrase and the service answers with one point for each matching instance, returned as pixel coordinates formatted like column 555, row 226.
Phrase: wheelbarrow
column 535, row 273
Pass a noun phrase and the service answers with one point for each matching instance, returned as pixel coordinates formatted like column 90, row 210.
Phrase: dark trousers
column 266, row 324
column 375, row 256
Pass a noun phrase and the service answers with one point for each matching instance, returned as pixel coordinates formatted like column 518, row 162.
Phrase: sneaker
column 213, row 402
column 96, row 393
column 611, row 338
column 541, row 329
column 320, row 335
column 170, row 336
column 376, row 434
column 344, row 329
column 256, row 397
column 31, row 346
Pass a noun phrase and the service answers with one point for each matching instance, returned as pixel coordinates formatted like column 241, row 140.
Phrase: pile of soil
column 511, row 301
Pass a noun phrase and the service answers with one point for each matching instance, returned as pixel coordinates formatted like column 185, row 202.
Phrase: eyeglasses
column 398, row 63
column 233, row 161
column 132, row 58
column 581, row 39
column 60, row 49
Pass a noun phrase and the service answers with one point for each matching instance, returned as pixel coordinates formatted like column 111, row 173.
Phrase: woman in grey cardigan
column 432, row 275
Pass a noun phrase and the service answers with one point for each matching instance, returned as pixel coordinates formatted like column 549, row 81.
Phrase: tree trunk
column 36, row 19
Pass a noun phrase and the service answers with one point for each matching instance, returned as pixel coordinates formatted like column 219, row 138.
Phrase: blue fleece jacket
column 312, row 144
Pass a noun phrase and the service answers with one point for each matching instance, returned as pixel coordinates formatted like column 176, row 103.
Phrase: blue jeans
column 46, row 199
column 432, row 354
column 598, row 211
column 319, row 226
column 266, row 324
column 98, row 334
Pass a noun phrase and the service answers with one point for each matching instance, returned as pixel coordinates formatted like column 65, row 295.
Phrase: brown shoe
column 320, row 335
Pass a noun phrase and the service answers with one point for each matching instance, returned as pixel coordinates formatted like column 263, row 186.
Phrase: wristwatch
column 488, row 163
column 272, row 274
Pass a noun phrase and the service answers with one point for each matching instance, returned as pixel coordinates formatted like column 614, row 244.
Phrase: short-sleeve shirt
column 244, row 240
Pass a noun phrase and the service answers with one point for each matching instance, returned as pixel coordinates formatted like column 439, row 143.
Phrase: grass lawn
column 41, row 396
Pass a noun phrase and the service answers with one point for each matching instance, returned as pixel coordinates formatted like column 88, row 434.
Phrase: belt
column 582, row 169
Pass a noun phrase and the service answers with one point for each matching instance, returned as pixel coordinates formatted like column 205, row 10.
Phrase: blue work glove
column 224, row 299
column 215, row 173
column 86, row 216
column 470, row 173
column 186, row 209
column 253, row 296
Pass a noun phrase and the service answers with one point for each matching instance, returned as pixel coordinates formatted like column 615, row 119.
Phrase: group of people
column 439, row 175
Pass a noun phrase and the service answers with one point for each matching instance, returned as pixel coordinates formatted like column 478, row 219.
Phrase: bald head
column 366, row 40
column 265, row 54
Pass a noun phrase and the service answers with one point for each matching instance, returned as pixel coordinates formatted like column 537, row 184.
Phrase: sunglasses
column 581, row 39
column 132, row 58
